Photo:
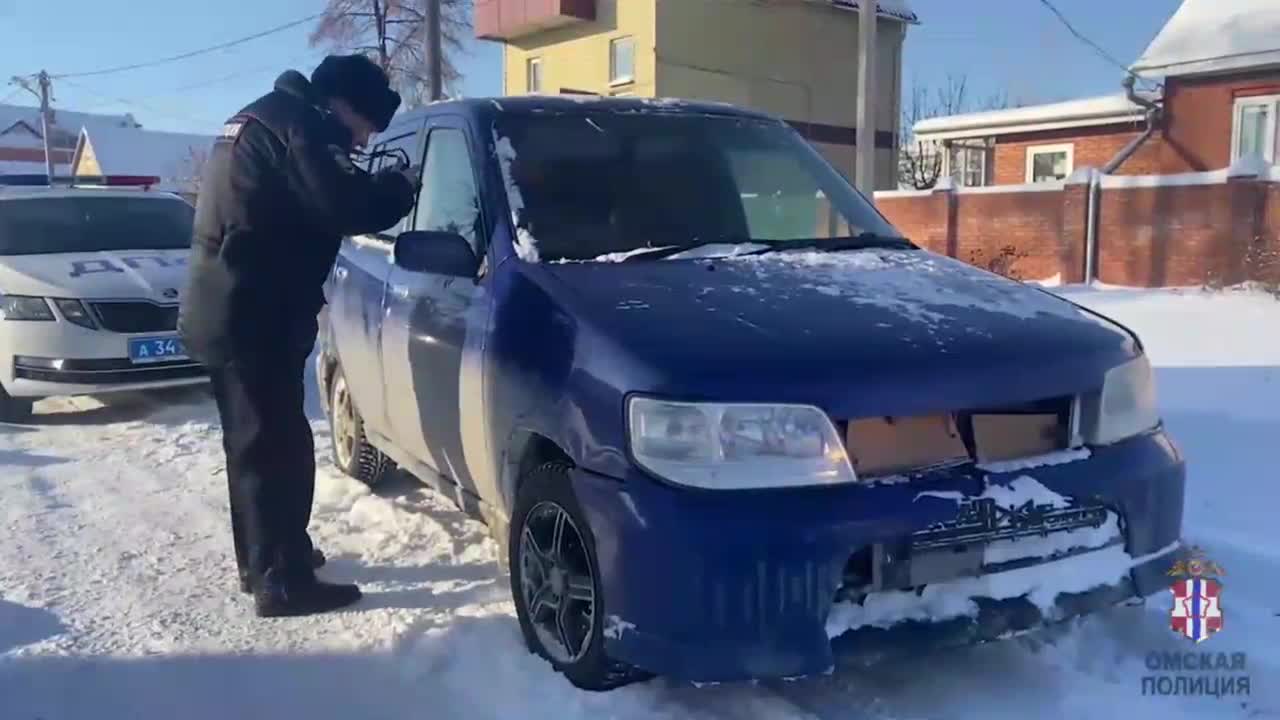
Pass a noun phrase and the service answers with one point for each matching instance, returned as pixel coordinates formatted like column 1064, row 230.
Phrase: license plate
column 156, row 349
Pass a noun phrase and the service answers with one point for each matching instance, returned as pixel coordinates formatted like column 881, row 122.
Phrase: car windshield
column 36, row 226
column 595, row 183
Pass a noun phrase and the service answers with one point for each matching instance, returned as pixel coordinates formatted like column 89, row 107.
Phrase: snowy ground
column 117, row 601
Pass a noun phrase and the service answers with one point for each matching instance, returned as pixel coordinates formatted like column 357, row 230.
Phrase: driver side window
column 449, row 200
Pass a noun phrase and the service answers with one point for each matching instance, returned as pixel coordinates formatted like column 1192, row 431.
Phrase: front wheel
column 352, row 452
column 555, row 582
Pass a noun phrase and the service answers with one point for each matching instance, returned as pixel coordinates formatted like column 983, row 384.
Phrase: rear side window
column 36, row 226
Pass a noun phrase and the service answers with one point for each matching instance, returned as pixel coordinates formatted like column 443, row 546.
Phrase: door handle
column 340, row 273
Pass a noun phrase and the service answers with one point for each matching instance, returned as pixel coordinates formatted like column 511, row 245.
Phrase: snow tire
column 594, row 670
column 360, row 460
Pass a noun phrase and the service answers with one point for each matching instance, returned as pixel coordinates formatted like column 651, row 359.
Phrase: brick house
column 1219, row 65
column 1176, row 188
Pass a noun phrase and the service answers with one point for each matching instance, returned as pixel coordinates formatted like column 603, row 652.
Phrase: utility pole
column 865, row 166
column 46, row 115
column 435, row 55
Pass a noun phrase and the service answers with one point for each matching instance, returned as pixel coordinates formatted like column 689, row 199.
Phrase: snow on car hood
column 872, row 331
column 157, row 275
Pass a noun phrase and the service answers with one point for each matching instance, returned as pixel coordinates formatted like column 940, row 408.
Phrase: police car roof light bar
column 42, row 180
column 145, row 181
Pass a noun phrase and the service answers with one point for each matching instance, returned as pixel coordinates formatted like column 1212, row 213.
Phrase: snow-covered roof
column 70, row 122
column 173, row 157
column 896, row 9
column 1209, row 36
column 1104, row 110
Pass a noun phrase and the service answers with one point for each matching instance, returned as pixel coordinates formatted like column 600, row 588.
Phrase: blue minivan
column 726, row 422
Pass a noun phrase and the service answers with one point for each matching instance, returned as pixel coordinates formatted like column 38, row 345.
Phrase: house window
column 1047, row 163
column 969, row 162
column 533, row 75
column 622, row 60
column 1254, row 128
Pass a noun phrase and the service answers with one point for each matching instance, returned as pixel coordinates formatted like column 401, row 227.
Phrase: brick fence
column 1216, row 228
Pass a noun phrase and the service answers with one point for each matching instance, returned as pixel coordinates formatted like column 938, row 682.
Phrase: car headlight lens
column 1125, row 407
column 737, row 446
column 75, row 312
column 24, row 307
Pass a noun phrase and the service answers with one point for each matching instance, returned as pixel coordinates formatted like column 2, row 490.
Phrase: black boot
column 279, row 595
column 246, row 580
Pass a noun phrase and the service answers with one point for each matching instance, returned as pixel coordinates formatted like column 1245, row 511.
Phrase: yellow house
column 797, row 59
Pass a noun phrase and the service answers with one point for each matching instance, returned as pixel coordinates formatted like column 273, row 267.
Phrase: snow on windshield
column 526, row 244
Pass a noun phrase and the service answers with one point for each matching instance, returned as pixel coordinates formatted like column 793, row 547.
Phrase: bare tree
column 394, row 34
column 920, row 163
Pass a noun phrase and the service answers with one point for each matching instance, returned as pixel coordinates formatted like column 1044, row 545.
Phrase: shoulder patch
column 231, row 129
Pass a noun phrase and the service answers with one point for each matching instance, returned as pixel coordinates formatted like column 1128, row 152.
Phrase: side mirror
column 436, row 252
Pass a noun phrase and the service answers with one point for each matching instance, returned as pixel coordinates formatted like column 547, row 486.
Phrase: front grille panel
column 910, row 445
column 136, row 317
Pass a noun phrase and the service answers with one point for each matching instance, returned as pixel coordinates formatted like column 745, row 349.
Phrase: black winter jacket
column 278, row 194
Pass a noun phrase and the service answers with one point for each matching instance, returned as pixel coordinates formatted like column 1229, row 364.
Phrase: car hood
column 156, row 275
column 861, row 333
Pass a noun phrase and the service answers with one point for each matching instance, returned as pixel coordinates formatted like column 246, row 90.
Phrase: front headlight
column 24, row 307
column 737, row 446
column 1125, row 407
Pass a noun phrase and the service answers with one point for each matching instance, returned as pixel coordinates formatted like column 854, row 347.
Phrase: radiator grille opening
column 136, row 317
column 883, row 446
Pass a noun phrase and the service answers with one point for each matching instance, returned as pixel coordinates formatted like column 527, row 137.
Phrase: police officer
column 279, row 193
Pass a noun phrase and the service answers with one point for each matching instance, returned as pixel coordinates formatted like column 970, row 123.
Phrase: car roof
column 26, row 192
column 489, row 107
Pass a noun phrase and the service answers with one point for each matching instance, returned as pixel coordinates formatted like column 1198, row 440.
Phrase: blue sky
column 1000, row 45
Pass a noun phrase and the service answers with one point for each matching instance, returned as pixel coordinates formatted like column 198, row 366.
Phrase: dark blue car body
column 470, row 383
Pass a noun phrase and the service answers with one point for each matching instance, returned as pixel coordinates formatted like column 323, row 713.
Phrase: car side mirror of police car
column 437, row 252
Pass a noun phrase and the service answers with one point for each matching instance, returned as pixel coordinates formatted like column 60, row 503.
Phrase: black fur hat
column 359, row 81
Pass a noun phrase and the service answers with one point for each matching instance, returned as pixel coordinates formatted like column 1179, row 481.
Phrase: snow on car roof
column 1214, row 36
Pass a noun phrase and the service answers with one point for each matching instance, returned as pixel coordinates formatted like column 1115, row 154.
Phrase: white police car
column 90, row 279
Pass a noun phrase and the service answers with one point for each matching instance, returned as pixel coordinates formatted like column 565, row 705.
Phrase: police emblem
column 1197, row 597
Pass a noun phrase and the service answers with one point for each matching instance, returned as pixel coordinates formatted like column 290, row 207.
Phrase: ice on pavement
column 117, row 592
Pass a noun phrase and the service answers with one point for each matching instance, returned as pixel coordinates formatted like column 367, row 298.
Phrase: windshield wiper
column 860, row 241
column 663, row 251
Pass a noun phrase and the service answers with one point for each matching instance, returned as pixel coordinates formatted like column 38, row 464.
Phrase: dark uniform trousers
column 270, row 463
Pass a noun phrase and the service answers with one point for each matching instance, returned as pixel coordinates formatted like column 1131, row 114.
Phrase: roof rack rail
column 41, row 179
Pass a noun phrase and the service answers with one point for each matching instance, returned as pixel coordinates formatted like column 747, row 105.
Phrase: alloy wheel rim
column 344, row 433
column 556, row 582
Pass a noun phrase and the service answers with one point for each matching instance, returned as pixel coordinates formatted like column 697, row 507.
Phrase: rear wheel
column 555, row 582
column 14, row 409
column 352, row 452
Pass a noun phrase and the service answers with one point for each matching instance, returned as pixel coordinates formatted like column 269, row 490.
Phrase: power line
column 191, row 54
column 137, row 104
column 1096, row 47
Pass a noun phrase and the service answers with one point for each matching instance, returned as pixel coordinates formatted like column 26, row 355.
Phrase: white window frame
column 1269, row 147
column 985, row 150
column 1034, row 150
column 614, row 78
column 529, row 85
